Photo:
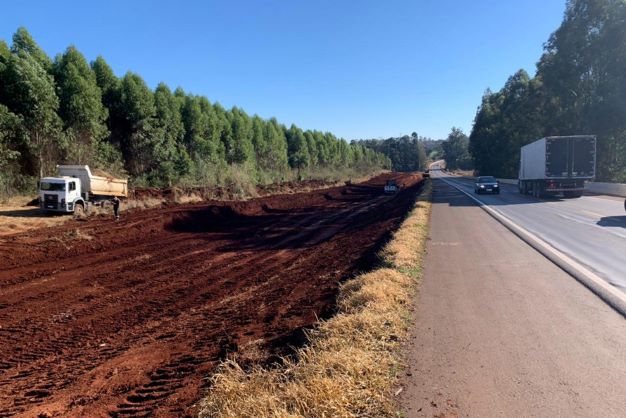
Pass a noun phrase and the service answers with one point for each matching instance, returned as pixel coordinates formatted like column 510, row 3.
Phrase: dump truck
column 557, row 165
column 77, row 188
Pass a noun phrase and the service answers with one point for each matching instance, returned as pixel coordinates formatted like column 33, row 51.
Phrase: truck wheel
column 536, row 193
column 79, row 210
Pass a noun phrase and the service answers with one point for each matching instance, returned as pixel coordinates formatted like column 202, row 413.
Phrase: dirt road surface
column 129, row 318
column 502, row 332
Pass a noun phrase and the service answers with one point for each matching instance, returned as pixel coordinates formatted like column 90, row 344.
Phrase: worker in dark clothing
column 116, row 207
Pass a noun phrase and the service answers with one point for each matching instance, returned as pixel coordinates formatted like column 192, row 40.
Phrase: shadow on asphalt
column 613, row 221
column 445, row 193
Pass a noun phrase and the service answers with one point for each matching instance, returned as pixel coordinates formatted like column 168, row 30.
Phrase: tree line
column 579, row 88
column 414, row 152
column 406, row 153
column 66, row 110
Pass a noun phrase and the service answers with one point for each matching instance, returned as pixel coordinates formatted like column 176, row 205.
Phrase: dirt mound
column 226, row 193
column 216, row 217
column 129, row 318
column 101, row 173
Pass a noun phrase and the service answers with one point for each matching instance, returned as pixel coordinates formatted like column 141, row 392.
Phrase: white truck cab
column 61, row 194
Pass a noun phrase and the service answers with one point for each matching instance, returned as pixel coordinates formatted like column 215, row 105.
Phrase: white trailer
column 557, row 165
column 76, row 188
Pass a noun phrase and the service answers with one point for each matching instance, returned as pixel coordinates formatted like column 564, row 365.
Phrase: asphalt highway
column 501, row 331
column 590, row 229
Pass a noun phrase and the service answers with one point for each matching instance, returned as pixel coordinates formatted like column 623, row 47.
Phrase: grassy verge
column 351, row 363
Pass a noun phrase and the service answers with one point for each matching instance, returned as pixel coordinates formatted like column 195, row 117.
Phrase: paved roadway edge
column 612, row 296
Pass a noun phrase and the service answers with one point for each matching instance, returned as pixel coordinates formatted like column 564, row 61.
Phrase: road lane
column 590, row 229
column 501, row 331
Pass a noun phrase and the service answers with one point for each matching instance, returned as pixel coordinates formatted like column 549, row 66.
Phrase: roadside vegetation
column 579, row 88
column 66, row 110
column 352, row 361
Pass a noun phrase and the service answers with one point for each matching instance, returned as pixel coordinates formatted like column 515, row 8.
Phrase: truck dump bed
column 95, row 185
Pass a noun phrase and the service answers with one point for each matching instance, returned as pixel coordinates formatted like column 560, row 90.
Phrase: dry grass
column 16, row 217
column 146, row 203
column 189, row 198
column 351, row 363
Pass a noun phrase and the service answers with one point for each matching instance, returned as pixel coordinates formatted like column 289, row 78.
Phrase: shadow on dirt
column 27, row 212
column 261, row 227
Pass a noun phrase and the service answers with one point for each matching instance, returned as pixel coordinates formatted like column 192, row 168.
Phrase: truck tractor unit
column 77, row 188
column 557, row 165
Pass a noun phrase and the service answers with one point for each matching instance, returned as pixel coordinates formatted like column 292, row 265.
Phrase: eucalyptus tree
column 81, row 109
column 29, row 91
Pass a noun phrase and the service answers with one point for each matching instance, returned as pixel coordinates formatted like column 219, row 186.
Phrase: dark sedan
column 487, row 184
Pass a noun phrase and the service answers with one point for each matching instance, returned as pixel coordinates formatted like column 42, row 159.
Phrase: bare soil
column 130, row 318
column 19, row 215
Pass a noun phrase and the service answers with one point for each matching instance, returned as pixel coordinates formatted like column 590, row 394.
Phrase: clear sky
column 358, row 68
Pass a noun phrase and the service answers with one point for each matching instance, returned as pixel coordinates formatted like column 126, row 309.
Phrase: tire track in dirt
column 131, row 322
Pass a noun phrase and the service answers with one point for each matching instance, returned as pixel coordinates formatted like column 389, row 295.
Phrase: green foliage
column 580, row 88
column 24, row 42
column 455, row 150
column 10, row 138
column 29, row 91
column 297, row 148
column 68, row 111
column 170, row 158
column 406, row 153
column 242, row 150
column 139, row 142
column 81, row 107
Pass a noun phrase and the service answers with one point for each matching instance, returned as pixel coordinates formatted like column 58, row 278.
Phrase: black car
column 487, row 184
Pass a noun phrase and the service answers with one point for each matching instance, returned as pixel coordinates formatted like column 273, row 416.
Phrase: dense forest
column 579, row 88
column 66, row 110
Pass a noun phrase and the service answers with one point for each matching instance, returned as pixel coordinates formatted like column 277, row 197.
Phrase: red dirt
column 129, row 318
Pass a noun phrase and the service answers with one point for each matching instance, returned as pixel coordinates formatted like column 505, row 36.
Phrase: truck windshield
column 52, row 187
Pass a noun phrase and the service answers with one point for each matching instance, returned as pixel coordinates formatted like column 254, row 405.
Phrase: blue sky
column 360, row 69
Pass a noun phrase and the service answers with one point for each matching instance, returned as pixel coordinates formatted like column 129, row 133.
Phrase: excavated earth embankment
column 129, row 318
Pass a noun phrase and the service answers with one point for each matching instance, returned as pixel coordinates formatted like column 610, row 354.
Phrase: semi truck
column 557, row 165
column 77, row 188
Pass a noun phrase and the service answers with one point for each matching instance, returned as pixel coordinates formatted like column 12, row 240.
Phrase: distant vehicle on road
column 557, row 165
column 391, row 187
column 486, row 184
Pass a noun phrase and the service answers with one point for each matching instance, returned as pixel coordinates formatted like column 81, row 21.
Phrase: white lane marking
column 547, row 247
column 593, row 214
column 445, row 243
